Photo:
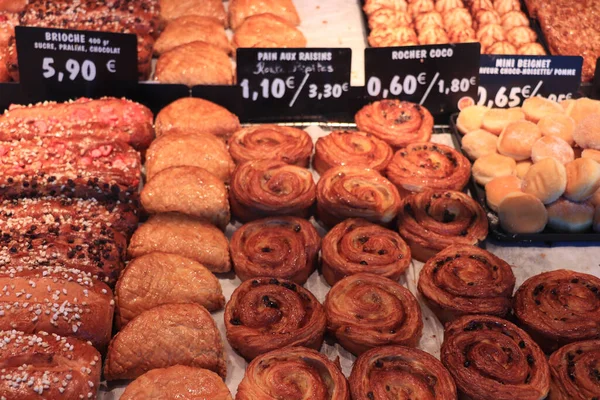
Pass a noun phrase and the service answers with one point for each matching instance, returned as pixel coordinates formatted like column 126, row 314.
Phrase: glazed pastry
column 196, row 63
column 278, row 247
column 505, row 6
column 430, row 221
column 393, row 36
column 356, row 246
column 154, row 340
column 346, row 192
column 559, row 307
column 458, row 18
column 365, row 311
column 513, row 19
column 387, row 17
column 501, row 48
column 177, row 382
column 176, row 189
column 162, row 278
column 239, row 10
column 351, row 148
column 520, row 35
column 266, row 314
column 195, row 116
column 203, row 151
column 427, row 20
column 400, row 371
column 373, row 5
column 462, row 280
column 398, row 123
column 421, row 166
column 573, row 371
column 489, row 34
column 486, row 17
column 192, row 28
column 444, row 6
column 532, row 49
column 267, row 30
column 492, row 359
column 433, row 35
column 184, row 236
column 171, row 9
column 290, row 145
column 416, row 7
column 262, row 188
column 298, row 372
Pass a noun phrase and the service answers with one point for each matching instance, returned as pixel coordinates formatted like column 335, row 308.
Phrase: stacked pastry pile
column 539, row 163
column 70, row 180
column 500, row 26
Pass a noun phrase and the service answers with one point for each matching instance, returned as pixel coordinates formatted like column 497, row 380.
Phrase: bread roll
column 495, row 120
column 583, row 179
column 470, row 119
column 553, row 147
column 522, row 213
column 546, row 180
column 567, row 104
column 479, row 143
column 587, row 132
column 187, row 190
column 184, row 236
column 560, row 125
column 523, row 167
column 568, row 216
column 536, row 108
column 494, row 165
column 582, row 108
column 498, row 188
column 591, row 154
column 517, row 139
column 191, row 28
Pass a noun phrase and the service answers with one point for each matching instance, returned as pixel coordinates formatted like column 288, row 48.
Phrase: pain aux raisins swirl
column 575, row 371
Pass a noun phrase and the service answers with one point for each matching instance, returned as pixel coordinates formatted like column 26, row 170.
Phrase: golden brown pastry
column 581, row 108
column 195, row 63
column 517, row 139
column 366, row 311
column 458, row 17
column 592, row 154
column 267, row 30
column 204, row 151
column 461, row 34
column 498, row 188
column 393, row 36
column 479, row 143
column 195, row 116
column 347, row 192
column 559, row 125
column 262, row 188
column 351, row 148
column 531, row 49
column 490, row 33
column 522, row 213
column 192, row 28
column 187, row 190
column 546, row 180
column 476, row 5
column 471, row 118
column 167, row 335
column 586, row 133
column 296, row 372
column 501, row 48
column 506, row 6
column 398, row 123
column 430, row 221
column 552, row 146
column 184, row 236
column 4, row 75
column 521, row 35
column 444, row 6
column 523, row 167
column 177, row 382
column 162, row 278
column 13, row 6
column 171, row 9
column 421, row 166
column 493, row 166
column 567, row 216
column 266, row 314
column 573, row 371
column 290, row 145
column 486, row 16
column 399, row 370
column 239, row 10
column 429, row 19
column 416, row 7
column 278, row 247
column 583, row 179
column 356, row 246
column 491, row 358
column 496, row 119
column 387, row 17
column 372, row 6
column 512, row 19
column 8, row 21
column 433, row 35
column 462, row 280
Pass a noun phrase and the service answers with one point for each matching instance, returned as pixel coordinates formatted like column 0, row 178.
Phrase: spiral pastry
column 290, row 145
column 432, row 220
column 462, row 280
column 351, row 148
column 421, row 166
column 262, row 188
column 396, row 122
column 366, row 311
column 356, row 246
column 293, row 373
column 574, row 371
column 277, row 247
column 492, row 359
column 398, row 372
column 559, row 307
column 265, row 314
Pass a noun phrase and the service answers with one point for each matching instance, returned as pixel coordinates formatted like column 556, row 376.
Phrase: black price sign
column 58, row 57
column 439, row 77
column 506, row 81
column 293, row 82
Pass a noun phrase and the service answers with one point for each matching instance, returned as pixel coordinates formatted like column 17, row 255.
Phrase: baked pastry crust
column 266, row 314
column 572, row 370
column 373, row 5
column 506, row 6
column 393, row 36
column 521, row 35
column 133, row 352
column 489, row 34
column 171, row 9
column 267, row 30
column 444, row 6
column 433, row 35
column 278, row 247
column 239, row 10
column 513, row 19
column 491, row 358
column 365, row 311
column 192, row 28
column 385, row 17
column 457, row 18
column 429, row 19
column 13, row 6
column 504, row 47
column 532, row 49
